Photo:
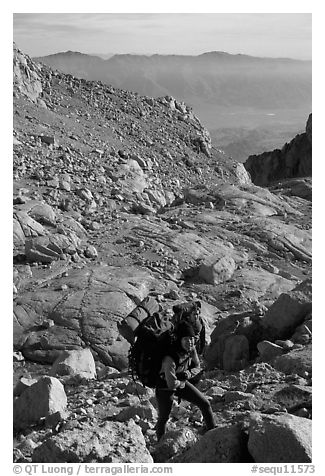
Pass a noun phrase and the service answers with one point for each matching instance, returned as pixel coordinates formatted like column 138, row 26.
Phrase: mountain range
column 216, row 79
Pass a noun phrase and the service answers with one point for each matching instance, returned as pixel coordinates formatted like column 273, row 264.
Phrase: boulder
column 26, row 76
column 39, row 211
column 18, row 357
column 48, row 140
column 217, row 270
column 234, row 396
column 268, row 350
column 22, row 385
column 91, row 252
column 241, row 174
column 229, row 341
column 132, row 178
column 113, row 442
column 50, row 248
column 216, row 393
column 288, row 311
column 173, row 443
column 294, row 396
column 224, row 444
column 41, row 399
column 281, row 438
column 297, row 361
column 303, row 333
column 203, row 195
column 76, row 363
column 236, row 353
column 85, row 194
column 69, row 224
column 156, row 197
column 41, row 251
column 24, row 227
column 259, row 284
column 146, row 411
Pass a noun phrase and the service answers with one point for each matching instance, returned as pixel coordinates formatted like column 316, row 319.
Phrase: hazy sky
column 260, row 34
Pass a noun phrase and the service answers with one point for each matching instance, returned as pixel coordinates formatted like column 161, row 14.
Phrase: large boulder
column 203, row 195
column 230, row 341
column 303, row 333
column 22, row 385
column 241, row 173
column 225, row 444
column 112, row 442
column 25, row 227
column 174, row 442
column 78, row 363
column 46, row 249
column 43, row 398
column 281, row 438
column 39, row 211
column 268, row 350
column 146, row 411
column 131, row 177
column 236, row 353
column 294, row 396
column 288, row 311
column 26, row 76
column 217, row 270
column 297, row 361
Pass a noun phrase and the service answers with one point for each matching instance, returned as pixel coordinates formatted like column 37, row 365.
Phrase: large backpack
column 154, row 337
column 147, row 307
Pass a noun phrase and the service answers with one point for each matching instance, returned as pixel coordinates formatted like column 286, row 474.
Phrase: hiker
column 180, row 364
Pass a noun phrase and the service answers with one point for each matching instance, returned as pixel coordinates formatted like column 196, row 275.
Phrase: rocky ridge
column 294, row 160
column 118, row 196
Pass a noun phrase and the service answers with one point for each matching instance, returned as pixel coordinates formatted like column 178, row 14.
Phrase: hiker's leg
column 193, row 395
column 165, row 401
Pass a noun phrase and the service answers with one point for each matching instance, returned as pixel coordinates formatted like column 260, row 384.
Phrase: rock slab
column 174, row 442
column 281, row 438
column 222, row 445
column 112, row 442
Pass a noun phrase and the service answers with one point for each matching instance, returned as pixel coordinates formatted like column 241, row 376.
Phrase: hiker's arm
column 169, row 370
column 195, row 364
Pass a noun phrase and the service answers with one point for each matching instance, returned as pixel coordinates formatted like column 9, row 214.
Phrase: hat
column 185, row 330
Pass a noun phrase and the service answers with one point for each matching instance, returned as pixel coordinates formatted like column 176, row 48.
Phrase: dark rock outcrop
column 292, row 161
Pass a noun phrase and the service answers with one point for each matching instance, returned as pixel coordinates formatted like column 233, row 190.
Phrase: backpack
column 147, row 307
column 155, row 336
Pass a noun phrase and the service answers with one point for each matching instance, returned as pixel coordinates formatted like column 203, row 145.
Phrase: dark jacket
column 177, row 367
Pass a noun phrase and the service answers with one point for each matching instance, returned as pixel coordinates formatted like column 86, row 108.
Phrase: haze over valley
column 247, row 103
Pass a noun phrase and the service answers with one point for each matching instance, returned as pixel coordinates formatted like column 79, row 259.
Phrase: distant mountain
column 75, row 63
column 104, row 56
column 224, row 79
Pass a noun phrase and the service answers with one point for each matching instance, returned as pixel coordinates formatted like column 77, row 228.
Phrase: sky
column 257, row 34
